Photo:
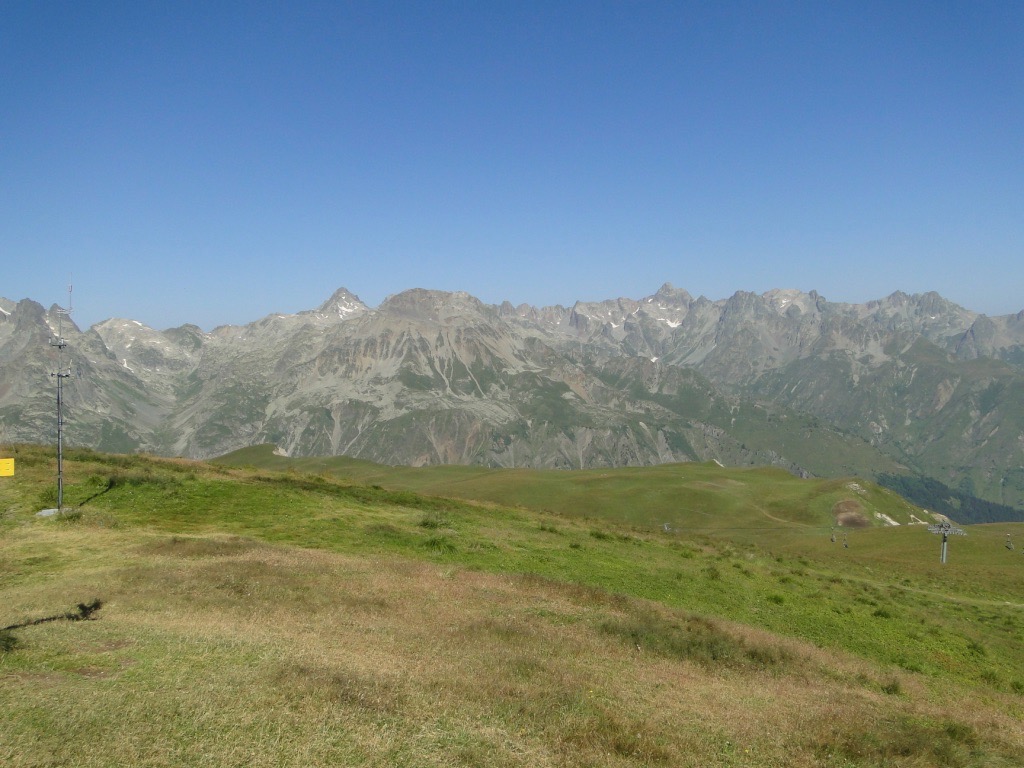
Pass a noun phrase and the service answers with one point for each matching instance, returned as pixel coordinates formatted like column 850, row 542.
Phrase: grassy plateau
column 265, row 611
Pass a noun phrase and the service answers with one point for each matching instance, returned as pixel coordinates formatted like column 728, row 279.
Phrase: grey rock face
column 785, row 378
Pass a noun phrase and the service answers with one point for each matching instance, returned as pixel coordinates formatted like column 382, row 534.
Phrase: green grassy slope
column 701, row 498
column 283, row 618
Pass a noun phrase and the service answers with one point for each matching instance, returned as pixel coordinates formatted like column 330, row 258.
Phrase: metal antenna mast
column 947, row 529
column 62, row 373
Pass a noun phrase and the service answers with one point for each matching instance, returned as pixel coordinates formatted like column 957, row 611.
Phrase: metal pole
column 61, row 374
column 60, row 443
column 946, row 529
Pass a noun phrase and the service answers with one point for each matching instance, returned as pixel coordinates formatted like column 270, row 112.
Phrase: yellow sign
column 6, row 467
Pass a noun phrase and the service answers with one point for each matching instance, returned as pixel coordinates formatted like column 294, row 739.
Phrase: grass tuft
column 691, row 638
column 8, row 642
column 434, row 521
column 893, row 687
column 441, row 544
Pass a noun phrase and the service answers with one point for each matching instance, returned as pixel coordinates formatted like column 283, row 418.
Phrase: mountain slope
column 785, row 378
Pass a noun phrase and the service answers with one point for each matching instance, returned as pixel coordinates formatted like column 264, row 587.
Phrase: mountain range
column 908, row 384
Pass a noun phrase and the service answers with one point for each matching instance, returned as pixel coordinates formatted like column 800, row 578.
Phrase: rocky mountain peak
column 58, row 317
column 669, row 294
column 791, row 300
column 188, row 336
column 343, row 304
column 926, row 313
column 437, row 306
column 744, row 305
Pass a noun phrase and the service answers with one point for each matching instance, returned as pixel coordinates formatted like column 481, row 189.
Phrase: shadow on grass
column 84, row 613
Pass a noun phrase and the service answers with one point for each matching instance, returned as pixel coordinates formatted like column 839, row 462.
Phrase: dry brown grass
column 226, row 651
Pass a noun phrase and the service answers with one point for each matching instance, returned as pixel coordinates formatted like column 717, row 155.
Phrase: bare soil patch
column 849, row 514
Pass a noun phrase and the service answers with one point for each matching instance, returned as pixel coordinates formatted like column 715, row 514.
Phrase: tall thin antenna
column 62, row 373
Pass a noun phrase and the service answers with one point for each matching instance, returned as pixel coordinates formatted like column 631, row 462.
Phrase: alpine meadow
column 269, row 611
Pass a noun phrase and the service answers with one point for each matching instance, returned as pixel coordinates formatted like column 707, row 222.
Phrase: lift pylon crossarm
column 947, row 529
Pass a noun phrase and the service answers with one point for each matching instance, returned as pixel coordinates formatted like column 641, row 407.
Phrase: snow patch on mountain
column 342, row 305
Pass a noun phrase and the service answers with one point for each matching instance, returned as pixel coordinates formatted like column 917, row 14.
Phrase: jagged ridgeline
column 907, row 385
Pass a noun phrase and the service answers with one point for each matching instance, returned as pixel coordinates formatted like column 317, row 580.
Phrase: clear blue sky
column 213, row 162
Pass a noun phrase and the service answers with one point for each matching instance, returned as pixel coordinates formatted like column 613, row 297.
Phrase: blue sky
column 214, row 162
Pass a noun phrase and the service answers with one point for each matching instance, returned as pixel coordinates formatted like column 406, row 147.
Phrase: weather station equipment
column 63, row 372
